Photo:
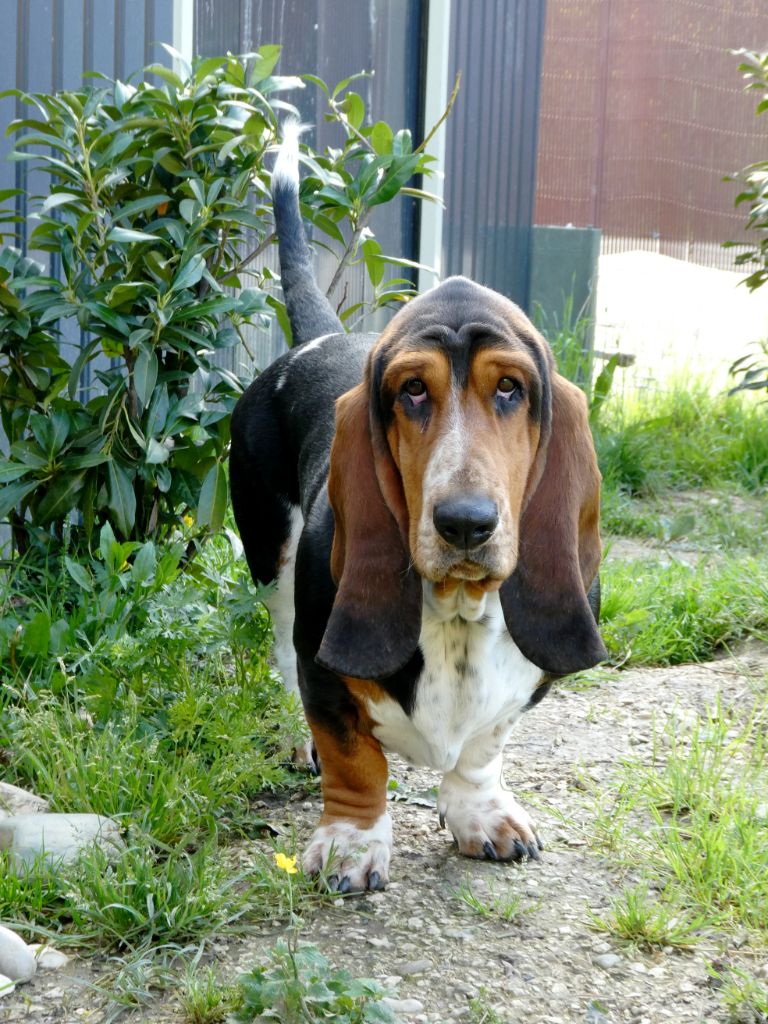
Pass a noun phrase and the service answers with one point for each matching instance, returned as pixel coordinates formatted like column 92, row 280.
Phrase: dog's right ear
column 374, row 626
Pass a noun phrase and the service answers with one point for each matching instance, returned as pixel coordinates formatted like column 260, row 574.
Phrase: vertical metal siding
column 332, row 39
column 491, row 142
column 49, row 44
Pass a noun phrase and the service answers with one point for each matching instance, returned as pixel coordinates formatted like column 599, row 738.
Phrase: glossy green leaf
column 212, row 506
column 60, row 498
column 145, row 374
column 122, row 499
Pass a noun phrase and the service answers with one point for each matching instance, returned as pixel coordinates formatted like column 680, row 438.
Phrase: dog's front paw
column 487, row 823
column 352, row 859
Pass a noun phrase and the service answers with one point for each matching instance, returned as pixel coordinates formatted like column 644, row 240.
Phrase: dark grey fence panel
column 491, row 142
column 49, row 44
column 332, row 39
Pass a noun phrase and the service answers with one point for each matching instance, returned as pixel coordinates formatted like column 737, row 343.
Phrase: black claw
column 520, row 850
column 533, row 851
column 441, row 819
column 490, row 850
column 539, row 843
column 345, row 885
column 374, row 881
column 333, row 883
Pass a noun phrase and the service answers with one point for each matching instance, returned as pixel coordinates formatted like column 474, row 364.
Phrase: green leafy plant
column 754, row 193
column 113, row 398
column 299, row 986
column 754, row 178
column 569, row 337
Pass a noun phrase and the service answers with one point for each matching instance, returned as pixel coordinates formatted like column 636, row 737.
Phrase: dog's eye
column 416, row 390
column 509, row 388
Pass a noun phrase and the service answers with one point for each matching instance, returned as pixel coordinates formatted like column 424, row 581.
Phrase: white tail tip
column 286, row 170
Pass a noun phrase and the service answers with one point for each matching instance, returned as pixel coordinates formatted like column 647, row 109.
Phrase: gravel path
column 544, row 967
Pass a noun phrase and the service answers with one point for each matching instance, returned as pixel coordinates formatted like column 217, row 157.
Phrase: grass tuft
column 636, row 918
column 696, row 818
column 656, row 614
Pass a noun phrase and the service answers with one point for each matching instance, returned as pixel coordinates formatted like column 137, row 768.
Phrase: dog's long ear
column 374, row 626
column 545, row 599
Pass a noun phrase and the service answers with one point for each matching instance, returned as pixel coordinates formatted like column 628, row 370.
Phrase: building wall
column 642, row 115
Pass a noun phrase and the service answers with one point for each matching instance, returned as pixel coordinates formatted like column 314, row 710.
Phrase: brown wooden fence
column 642, row 115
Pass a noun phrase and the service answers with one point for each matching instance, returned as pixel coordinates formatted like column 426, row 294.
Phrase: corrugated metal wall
column 642, row 114
column 48, row 44
column 491, row 134
column 491, row 142
column 333, row 39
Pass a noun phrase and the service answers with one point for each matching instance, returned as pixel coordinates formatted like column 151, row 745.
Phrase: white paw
column 303, row 756
column 352, row 859
column 487, row 822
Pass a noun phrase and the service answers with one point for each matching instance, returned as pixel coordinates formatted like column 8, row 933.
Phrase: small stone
column 601, row 947
column 415, row 924
column 18, row 801
column 17, row 961
column 657, row 972
column 415, row 967
column 60, row 836
column 378, row 941
column 607, row 960
column 403, row 1005
column 392, row 981
column 560, row 990
column 457, row 933
column 49, row 958
column 762, row 971
column 6, row 986
column 638, row 968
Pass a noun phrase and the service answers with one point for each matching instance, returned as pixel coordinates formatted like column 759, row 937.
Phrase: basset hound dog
column 428, row 502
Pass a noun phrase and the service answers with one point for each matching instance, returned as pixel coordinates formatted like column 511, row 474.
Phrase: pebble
column 415, row 967
column 762, row 971
column 17, row 961
column 378, row 942
column 638, row 968
column 607, row 960
column 6, row 986
column 60, row 836
column 403, row 1005
column 18, row 801
column 47, row 957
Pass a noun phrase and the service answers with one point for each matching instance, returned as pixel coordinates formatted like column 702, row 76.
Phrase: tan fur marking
column 354, row 777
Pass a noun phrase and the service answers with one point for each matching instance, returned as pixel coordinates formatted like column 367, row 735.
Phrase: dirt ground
column 428, row 946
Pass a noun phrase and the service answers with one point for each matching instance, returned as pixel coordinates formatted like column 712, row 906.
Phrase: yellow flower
column 287, row 864
column 188, row 520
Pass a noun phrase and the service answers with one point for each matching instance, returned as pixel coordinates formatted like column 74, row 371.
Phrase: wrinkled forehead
column 458, row 319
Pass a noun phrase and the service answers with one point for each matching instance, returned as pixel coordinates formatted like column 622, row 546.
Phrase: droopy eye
column 416, row 390
column 509, row 388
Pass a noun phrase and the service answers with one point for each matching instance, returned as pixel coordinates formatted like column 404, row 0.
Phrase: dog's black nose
column 466, row 522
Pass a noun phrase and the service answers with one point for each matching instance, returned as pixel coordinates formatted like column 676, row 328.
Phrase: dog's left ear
column 545, row 599
column 374, row 626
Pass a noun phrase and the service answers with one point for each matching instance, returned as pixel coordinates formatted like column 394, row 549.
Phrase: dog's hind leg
column 280, row 604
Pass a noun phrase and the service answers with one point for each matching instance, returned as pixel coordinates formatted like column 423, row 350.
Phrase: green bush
column 158, row 206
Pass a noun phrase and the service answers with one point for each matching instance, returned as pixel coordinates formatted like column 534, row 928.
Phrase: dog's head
column 463, row 459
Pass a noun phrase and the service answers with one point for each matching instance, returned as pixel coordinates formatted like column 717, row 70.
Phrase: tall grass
column 683, row 437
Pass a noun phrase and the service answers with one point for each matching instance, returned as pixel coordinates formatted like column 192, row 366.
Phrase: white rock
column 403, row 1005
column 18, row 801
column 6, row 986
column 60, row 836
column 607, row 960
column 17, row 961
column 47, row 957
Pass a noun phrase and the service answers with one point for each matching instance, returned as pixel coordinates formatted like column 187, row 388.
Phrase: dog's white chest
column 474, row 684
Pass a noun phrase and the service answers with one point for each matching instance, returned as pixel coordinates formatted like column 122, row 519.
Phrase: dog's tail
column 309, row 311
